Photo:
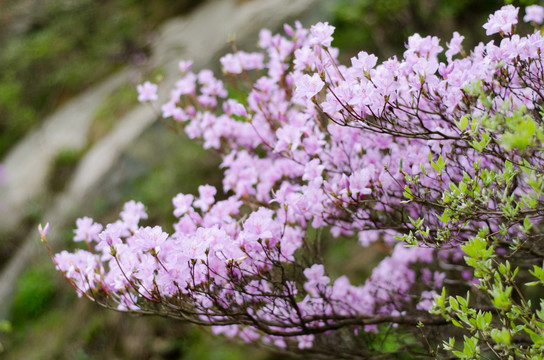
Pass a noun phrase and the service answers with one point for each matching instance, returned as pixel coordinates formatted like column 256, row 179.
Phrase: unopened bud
column 43, row 231
column 232, row 37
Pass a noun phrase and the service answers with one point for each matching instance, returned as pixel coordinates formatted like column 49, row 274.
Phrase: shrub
column 437, row 164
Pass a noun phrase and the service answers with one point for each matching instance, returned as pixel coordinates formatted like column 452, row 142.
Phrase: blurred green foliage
column 34, row 294
column 64, row 46
column 5, row 327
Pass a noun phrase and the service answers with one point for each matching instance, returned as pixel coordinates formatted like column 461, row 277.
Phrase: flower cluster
column 371, row 150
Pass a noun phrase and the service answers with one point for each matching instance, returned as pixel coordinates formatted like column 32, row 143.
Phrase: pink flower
column 316, row 279
column 147, row 92
column 231, row 64
column 315, row 274
column 185, row 225
column 168, row 109
column 502, row 20
column 534, row 13
column 367, row 237
column 309, row 86
column 194, row 247
column 427, row 300
column 364, row 61
column 82, row 262
column 132, row 213
column 359, row 182
column 426, row 47
column 304, row 58
column 87, row 230
column 288, row 138
column 313, row 171
column 184, row 66
column 149, row 238
column 43, row 231
column 261, row 225
column 265, row 38
column 182, row 204
column 305, row 341
column 233, row 107
column 321, row 34
column 111, row 236
column 186, row 85
column 250, row 61
column 207, row 194
column 454, row 46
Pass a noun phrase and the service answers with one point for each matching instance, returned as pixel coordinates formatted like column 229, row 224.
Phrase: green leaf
column 480, row 145
column 408, row 193
column 439, row 165
column 463, row 123
column 445, row 216
column 538, row 339
column 453, row 303
column 538, row 272
column 501, row 336
column 527, row 224
column 456, row 323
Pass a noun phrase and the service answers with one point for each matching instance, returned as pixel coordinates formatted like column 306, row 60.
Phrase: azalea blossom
column 502, row 20
column 534, row 13
column 147, row 92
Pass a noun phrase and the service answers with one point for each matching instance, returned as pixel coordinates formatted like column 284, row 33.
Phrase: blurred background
column 74, row 142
